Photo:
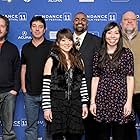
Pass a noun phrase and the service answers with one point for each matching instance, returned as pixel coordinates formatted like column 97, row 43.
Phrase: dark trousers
column 91, row 128
column 66, row 136
column 117, row 131
column 136, row 104
column 7, row 109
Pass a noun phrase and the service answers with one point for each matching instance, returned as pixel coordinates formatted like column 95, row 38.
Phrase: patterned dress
column 112, row 88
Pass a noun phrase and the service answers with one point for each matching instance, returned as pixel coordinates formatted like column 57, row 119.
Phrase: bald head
column 80, row 23
column 129, row 22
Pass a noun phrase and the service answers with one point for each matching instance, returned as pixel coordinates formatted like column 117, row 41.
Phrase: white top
column 81, row 37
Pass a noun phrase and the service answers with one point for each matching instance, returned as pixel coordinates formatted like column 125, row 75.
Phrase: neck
column 37, row 41
column 111, row 49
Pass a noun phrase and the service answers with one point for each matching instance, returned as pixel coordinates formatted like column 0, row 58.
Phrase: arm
column 84, row 97
column 130, row 83
column 94, row 85
column 16, row 66
column 23, row 73
column 130, row 91
column 46, row 99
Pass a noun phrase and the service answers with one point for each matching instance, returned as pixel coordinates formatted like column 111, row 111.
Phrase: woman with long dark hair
column 64, row 94
column 113, row 85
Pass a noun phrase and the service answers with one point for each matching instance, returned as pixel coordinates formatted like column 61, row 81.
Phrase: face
column 3, row 29
column 37, row 29
column 65, row 44
column 112, row 37
column 80, row 23
column 129, row 22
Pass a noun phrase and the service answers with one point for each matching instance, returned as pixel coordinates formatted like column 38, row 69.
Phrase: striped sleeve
column 46, row 99
column 84, row 91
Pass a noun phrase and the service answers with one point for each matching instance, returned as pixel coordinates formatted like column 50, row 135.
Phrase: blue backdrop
column 58, row 14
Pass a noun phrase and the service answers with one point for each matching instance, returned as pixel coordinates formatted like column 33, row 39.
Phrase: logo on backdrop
column 111, row 16
column 55, row 0
column 66, row 16
column 21, row 16
column 138, row 17
column 7, row 0
column 23, row 123
column 52, row 35
column 27, row 0
column 24, row 35
column 137, row 125
column 120, row 0
column 94, row 33
column 86, row 0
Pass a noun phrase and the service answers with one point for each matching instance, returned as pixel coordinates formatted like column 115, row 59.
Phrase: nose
column 80, row 21
column 112, row 35
column 129, row 20
column 37, row 28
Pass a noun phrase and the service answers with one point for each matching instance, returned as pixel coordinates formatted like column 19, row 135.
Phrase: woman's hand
column 84, row 111
column 93, row 109
column 127, row 109
column 48, row 115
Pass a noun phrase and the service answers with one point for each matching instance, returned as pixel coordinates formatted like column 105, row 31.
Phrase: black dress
column 112, row 88
column 66, row 103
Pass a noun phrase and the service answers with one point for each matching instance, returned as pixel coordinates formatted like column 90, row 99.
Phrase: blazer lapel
column 84, row 43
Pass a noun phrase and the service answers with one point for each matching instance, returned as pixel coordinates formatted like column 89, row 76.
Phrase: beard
column 3, row 36
column 129, row 30
column 80, row 28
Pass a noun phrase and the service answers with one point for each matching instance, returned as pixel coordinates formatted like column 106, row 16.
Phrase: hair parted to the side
column 74, row 55
column 103, row 52
column 38, row 18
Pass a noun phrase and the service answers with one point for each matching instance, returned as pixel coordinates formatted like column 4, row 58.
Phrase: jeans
column 7, row 109
column 32, row 105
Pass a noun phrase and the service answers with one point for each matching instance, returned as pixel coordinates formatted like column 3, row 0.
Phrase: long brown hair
column 103, row 52
column 74, row 55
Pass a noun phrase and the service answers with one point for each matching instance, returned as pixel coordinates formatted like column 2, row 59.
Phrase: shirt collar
column 81, row 36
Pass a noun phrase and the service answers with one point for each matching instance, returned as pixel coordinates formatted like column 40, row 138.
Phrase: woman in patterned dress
column 64, row 94
column 112, row 86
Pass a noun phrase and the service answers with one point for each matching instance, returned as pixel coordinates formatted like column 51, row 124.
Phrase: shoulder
column 27, row 44
column 128, row 53
column 48, row 66
column 54, row 54
column 49, row 61
column 127, row 50
column 92, row 36
column 48, row 42
column 11, row 46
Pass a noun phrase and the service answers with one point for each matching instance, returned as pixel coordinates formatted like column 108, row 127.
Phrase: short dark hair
column 38, row 18
column 6, row 21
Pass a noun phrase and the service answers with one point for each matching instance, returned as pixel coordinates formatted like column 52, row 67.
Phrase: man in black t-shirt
column 33, row 57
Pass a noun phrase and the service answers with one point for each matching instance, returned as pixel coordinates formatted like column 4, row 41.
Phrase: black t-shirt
column 35, row 58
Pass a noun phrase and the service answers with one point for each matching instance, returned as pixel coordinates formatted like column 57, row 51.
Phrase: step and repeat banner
column 58, row 14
